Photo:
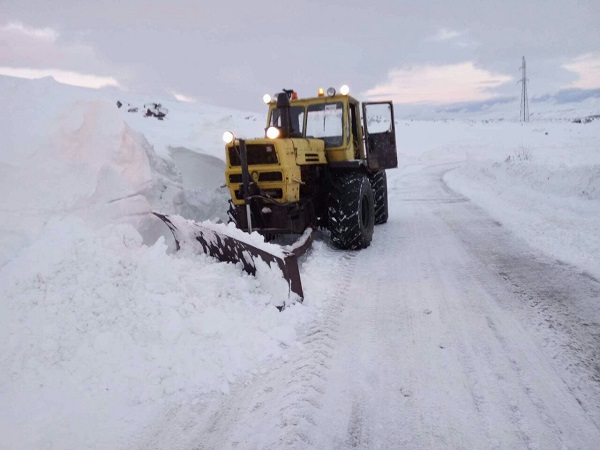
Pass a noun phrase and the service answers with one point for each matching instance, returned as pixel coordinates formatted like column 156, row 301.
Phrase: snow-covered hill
column 101, row 326
column 564, row 105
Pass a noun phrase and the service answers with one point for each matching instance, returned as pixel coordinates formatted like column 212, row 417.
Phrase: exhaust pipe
column 283, row 106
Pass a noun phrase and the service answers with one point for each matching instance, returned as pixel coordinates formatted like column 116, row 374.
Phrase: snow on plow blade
column 218, row 241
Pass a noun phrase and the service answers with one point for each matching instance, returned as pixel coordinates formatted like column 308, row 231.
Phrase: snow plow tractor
column 321, row 164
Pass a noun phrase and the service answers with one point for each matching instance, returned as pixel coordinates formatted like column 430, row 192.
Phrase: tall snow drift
column 95, row 312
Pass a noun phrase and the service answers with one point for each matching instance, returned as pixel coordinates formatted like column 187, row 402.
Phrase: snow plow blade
column 214, row 240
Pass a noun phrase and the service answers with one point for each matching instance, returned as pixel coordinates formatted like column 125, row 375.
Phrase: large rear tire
column 379, row 184
column 351, row 211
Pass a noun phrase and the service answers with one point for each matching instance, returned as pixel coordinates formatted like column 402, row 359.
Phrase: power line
column 524, row 108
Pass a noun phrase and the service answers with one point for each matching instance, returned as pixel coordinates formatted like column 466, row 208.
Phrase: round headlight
column 272, row 133
column 331, row 92
column 228, row 137
column 267, row 98
column 344, row 90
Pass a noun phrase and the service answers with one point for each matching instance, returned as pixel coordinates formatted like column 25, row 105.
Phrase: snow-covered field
column 103, row 327
column 541, row 180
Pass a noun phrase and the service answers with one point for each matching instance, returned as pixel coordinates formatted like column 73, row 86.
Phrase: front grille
column 270, row 176
column 311, row 157
column 257, row 154
column 273, row 193
column 262, row 177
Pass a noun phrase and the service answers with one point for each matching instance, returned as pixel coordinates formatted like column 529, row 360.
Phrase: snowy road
column 447, row 332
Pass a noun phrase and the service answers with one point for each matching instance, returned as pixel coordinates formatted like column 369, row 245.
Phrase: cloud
column 45, row 34
column 460, row 39
column 183, row 98
column 62, row 76
column 568, row 96
column 29, row 52
column 439, row 84
column 587, row 68
column 445, row 35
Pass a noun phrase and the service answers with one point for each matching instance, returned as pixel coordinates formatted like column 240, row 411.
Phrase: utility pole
column 524, row 110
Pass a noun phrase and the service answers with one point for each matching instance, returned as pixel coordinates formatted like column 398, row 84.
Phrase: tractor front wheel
column 351, row 211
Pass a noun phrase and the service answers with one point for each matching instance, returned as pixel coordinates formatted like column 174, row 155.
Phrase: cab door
column 380, row 135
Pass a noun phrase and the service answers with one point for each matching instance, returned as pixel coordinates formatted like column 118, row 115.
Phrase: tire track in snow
column 467, row 385
column 366, row 366
column 557, row 302
column 534, row 412
column 358, row 436
column 421, row 344
column 305, row 389
column 526, row 388
column 275, row 409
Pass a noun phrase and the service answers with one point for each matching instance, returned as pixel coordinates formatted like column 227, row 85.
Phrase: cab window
column 296, row 116
column 326, row 122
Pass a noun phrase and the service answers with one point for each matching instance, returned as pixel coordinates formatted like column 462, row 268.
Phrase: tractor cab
column 314, row 149
column 336, row 120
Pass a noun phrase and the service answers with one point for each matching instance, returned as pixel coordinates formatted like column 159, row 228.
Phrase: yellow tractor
column 321, row 164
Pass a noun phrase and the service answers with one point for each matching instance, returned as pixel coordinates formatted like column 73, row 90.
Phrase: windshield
column 296, row 116
column 326, row 121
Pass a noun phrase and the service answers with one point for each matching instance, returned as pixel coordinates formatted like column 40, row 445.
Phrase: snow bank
column 63, row 157
column 100, row 324
column 104, row 323
column 545, row 187
column 194, row 127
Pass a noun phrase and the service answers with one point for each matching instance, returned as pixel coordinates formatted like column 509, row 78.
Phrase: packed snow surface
column 468, row 308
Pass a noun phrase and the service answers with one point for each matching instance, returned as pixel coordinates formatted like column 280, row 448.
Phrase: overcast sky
column 231, row 53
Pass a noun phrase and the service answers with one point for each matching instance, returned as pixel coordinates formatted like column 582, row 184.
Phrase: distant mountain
column 566, row 104
column 569, row 96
